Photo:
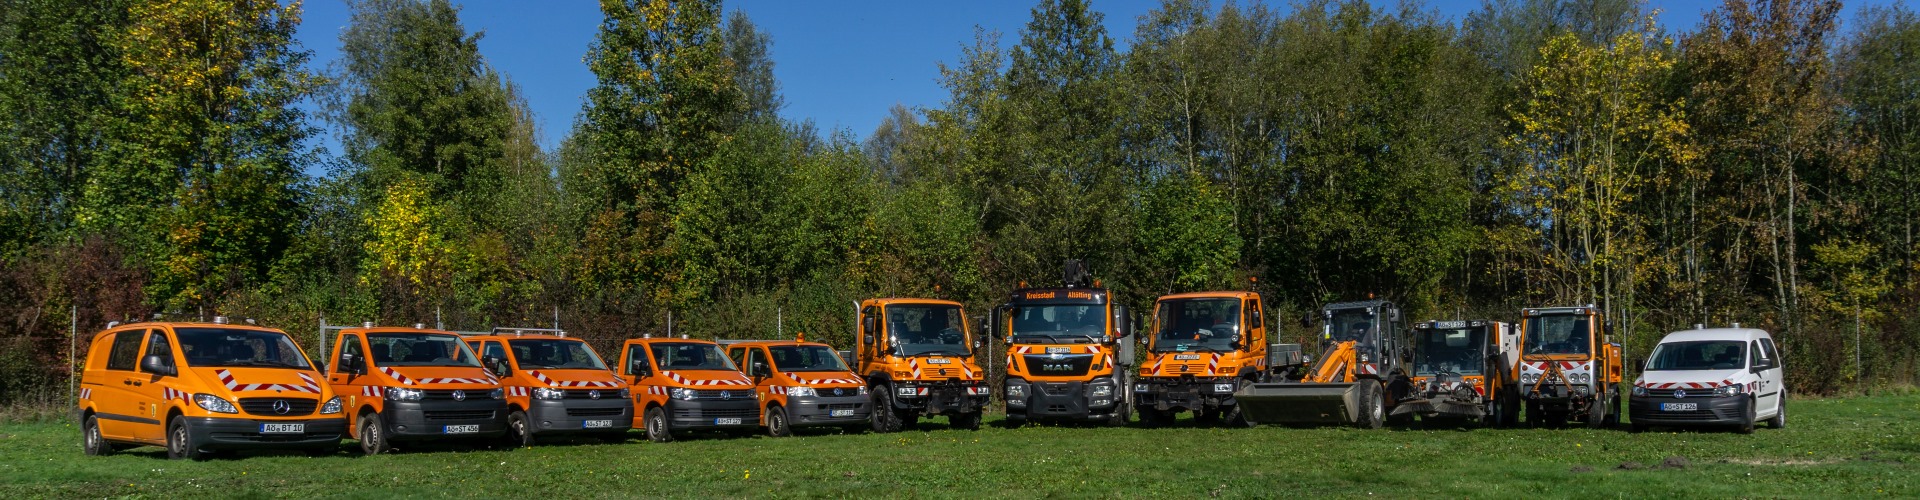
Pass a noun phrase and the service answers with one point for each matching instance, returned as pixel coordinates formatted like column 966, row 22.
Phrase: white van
column 1711, row 376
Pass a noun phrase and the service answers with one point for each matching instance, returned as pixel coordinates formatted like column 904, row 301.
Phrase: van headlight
column 498, row 393
column 624, row 394
column 548, row 393
column 801, row 391
column 214, row 403
column 1729, row 390
column 1639, row 392
column 332, row 406
column 681, row 394
column 404, row 394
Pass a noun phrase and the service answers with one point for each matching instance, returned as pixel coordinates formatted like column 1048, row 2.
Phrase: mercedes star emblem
column 280, row 406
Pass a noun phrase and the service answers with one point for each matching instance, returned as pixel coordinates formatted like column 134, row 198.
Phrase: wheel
column 1597, row 413
column 1746, row 425
column 1613, row 412
column 1779, row 420
column 91, row 441
column 373, row 436
column 519, row 434
column 1121, row 414
column 658, row 429
column 969, row 421
column 1372, row 406
column 777, row 425
column 1496, row 412
column 1235, row 415
column 1511, row 417
column 180, row 441
column 885, row 419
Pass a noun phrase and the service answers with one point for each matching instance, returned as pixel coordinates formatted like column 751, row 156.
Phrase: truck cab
column 201, row 387
column 918, row 359
column 555, row 385
column 1711, row 377
column 1569, row 370
column 1202, row 348
column 686, row 384
column 414, row 384
column 1464, row 369
column 1063, row 359
column 802, row 384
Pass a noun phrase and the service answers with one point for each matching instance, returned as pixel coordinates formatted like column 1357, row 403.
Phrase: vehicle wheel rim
column 179, row 442
column 370, row 436
column 656, row 425
column 1379, row 404
column 93, row 436
column 778, row 421
column 520, row 430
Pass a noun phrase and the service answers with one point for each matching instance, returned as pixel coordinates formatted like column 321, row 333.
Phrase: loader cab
column 1374, row 326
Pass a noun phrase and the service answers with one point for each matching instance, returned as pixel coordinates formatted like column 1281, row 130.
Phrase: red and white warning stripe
column 307, row 384
column 778, row 390
column 568, row 383
column 1213, row 363
column 458, row 380
column 170, row 394
column 676, row 378
column 371, row 391
column 657, row 390
column 86, row 393
column 518, row 391
column 914, row 364
column 818, row 381
column 1367, row 368
column 397, row 376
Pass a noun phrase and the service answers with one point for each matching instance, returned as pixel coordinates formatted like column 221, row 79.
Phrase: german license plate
column 939, row 361
column 283, row 428
column 598, row 424
column 1059, row 350
column 726, row 421
column 841, row 413
column 1679, row 406
column 461, row 429
column 1185, row 356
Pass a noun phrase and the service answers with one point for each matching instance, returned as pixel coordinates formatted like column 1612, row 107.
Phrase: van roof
column 1220, row 294
column 1742, row 334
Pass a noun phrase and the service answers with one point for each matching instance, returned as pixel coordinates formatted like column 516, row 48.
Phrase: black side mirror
column 760, row 370
column 353, row 364
column 867, row 339
column 497, row 366
column 157, row 365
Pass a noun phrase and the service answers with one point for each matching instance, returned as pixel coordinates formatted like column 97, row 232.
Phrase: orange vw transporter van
column 802, row 384
column 685, row 384
column 555, row 385
column 414, row 384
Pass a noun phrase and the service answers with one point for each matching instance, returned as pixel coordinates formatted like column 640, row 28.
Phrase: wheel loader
column 1464, row 370
column 1358, row 378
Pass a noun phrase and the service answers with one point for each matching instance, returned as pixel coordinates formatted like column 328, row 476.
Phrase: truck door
column 119, row 411
column 869, row 333
column 1767, row 369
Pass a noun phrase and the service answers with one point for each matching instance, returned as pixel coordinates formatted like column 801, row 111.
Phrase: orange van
column 802, row 384
column 555, row 385
column 684, row 384
column 414, row 384
column 201, row 387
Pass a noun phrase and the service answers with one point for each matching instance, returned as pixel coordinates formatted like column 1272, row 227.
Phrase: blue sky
column 841, row 64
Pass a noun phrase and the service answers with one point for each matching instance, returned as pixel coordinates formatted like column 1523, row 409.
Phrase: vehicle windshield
column 211, row 347
column 1449, row 350
column 1559, row 334
column 691, row 356
column 420, row 349
column 1196, row 325
column 554, row 354
column 1073, row 323
column 806, row 358
column 1357, row 325
column 918, row 330
column 1698, row 355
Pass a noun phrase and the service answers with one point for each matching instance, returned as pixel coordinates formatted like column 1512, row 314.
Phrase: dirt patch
column 1673, row 462
column 1580, row 468
column 1754, row 461
column 1631, row 466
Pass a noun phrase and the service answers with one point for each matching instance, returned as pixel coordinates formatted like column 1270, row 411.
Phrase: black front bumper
column 1554, row 397
column 1062, row 400
column 942, row 398
column 812, row 411
column 1710, row 411
column 429, row 419
column 563, row 416
column 1182, row 394
column 706, row 414
column 223, row 433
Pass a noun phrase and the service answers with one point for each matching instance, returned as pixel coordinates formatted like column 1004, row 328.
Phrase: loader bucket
column 1300, row 403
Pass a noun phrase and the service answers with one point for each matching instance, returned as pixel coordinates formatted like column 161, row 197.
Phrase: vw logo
column 593, row 394
column 726, row 394
column 1680, row 394
column 459, row 395
column 280, row 406
column 837, row 392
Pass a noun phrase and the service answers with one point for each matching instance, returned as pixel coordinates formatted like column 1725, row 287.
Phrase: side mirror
column 497, row 366
column 352, row 364
column 158, row 365
column 867, row 339
column 760, row 370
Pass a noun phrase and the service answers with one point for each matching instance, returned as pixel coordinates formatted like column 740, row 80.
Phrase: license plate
column 1059, row 350
column 842, row 413
column 1185, row 356
column 939, row 361
column 283, row 428
column 726, row 421
column 462, row 429
column 1679, row 406
column 598, row 424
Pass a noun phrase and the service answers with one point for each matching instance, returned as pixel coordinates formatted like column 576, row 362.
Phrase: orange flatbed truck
column 556, row 385
column 802, row 384
column 686, row 384
column 1065, row 352
column 918, row 359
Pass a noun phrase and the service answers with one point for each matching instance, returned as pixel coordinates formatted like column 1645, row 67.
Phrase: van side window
column 493, row 350
column 126, row 350
column 1766, row 347
column 756, row 357
column 349, row 346
column 157, row 345
column 636, row 359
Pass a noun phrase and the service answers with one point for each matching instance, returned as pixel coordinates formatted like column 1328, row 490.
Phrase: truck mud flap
column 1300, row 403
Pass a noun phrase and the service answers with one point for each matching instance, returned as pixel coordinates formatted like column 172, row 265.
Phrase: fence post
column 322, row 355
column 73, row 343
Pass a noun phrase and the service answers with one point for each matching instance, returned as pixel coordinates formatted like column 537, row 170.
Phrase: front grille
column 264, row 406
column 1056, row 389
column 717, row 395
column 1691, row 393
column 841, row 406
column 459, row 414
column 594, row 412
column 742, row 413
column 448, row 395
column 588, row 393
column 1066, row 366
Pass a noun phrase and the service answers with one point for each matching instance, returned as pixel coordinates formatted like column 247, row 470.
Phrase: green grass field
column 1833, row 447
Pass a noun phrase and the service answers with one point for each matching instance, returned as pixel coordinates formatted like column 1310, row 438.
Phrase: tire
column 91, row 442
column 777, row 424
column 373, row 435
column 1496, row 412
column 1372, row 406
column 1511, row 418
column 519, row 434
column 1235, row 416
column 885, row 418
column 1597, row 413
column 180, row 441
column 968, row 421
column 1779, row 420
column 1613, row 412
column 1121, row 415
column 1746, row 426
column 658, row 428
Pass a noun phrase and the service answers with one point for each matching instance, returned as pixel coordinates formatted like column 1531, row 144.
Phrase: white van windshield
column 1699, row 355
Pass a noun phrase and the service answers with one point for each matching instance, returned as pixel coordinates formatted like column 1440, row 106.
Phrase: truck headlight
column 1528, row 378
column 1366, row 358
column 1639, row 392
column 863, row 390
column 801, row 391
column 548, row 393
column 214, row 403
column 1139, row 387
column 404, row 394
column 1223, row 388
column 1016, row 391
column 906, row 390
column 681, row 394
column 332, row 406
column 1102, row 391
column 1729, row 390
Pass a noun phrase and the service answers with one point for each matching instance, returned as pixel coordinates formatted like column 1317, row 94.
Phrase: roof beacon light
column 366, row 324
column 219, row 320
column 799, row 336
column 419, row 326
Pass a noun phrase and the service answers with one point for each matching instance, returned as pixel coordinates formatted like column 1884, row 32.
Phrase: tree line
column 1760, row 168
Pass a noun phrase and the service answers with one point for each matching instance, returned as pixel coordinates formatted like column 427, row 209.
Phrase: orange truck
column 197, row 388
column 802, row 384
column 1465, row 370
column 686, row 384
column 1569, row 371
column 917, row 358
column 414, row 384
column 555, row 385
column 1204, row 346
column 1064, row 352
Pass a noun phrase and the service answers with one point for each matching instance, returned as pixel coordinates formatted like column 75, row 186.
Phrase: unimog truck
column 917, row 358
column 1201, row 348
